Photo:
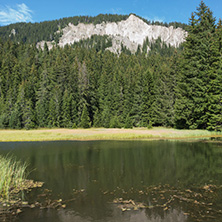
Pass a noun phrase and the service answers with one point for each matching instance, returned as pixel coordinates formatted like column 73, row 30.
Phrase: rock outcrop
column 130, row 33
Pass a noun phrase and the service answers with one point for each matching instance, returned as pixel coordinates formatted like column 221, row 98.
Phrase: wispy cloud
column 19, row 13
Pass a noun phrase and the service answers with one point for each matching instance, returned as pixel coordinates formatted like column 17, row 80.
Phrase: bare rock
column 130, row 33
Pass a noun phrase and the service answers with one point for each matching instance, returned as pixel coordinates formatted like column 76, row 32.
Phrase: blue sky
column 12, row 11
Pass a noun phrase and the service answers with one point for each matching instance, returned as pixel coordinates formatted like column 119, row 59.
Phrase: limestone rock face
column 131, row 33
column 13, row 32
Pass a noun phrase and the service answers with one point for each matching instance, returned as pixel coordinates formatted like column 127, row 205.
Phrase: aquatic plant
column 13, row 173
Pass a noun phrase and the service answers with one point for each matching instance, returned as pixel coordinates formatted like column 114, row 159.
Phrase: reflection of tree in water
column 125, row 164
column 107, row 170
column 116, row 215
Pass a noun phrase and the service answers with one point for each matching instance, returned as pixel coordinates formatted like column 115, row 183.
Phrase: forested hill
column 79, row 86
column 36, row 32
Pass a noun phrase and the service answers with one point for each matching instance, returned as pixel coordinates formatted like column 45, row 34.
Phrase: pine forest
column 84, row 85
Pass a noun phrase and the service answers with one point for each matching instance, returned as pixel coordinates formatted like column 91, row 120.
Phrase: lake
column 123, row 180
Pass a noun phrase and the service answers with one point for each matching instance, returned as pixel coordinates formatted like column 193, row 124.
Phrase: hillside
column 129, row 31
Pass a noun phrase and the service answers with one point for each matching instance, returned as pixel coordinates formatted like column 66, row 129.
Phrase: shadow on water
column 92, row 174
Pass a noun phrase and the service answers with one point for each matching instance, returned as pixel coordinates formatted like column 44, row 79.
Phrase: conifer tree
column 213, row 115
column 114, row 122
column 106, row 115
column 28, row 115
column 191, row 104
column 43, row 96
column 15, row 118
column 137, row 98
column 19, row 110
column 164, row 90
column 128, row 122
column 85, row 120
column 147, row 99
column 97, row 119
column 66, row 110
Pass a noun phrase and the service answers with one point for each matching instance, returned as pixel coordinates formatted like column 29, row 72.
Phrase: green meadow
column 103, row 134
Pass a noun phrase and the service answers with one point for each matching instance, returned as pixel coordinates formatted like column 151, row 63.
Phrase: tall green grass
column 12, row 175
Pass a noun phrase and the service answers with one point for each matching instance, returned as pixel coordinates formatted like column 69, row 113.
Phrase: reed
column 13, row 173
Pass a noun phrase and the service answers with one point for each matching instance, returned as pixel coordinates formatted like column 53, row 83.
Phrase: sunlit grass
column 103, row 134
column 12, row 175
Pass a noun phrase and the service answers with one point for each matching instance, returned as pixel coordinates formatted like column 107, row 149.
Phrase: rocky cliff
column 130, row 33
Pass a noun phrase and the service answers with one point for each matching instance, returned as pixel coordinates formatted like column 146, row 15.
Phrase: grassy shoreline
column 12, row 176
column 155, row 133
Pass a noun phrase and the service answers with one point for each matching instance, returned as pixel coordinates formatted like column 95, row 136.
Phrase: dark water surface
column 90, row 175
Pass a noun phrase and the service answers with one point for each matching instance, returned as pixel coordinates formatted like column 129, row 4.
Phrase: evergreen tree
column 28, row 115
column 97, row 119
column 128, row 122
column 114, row 122
column 106, row 115
column 43, row 96
column 19, row 110
column 84, row 84
column 191, row 104
column 136, row 110
column 85, row 121
column 15, row 118
column 67, row 110
column 164, row 90
column 147, row 100
column 213, row 115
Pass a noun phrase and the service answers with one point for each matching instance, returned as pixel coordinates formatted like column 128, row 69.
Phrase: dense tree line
column 78, row 87
column 174, row 24
column 98, row 42
column 199, row 96
column 47, row 30
column 84, row 85
column 36, row 32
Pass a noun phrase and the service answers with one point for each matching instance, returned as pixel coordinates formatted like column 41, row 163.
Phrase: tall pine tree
column 192, row 92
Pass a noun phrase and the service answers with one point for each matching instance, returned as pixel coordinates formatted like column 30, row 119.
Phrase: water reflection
column 141, row 216
column 114, row 215
column 106, row 170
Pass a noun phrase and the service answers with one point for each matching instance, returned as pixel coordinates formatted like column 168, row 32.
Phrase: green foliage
column 85, row 121
column 85, row 85
column 147, row 99
column 52, row 30
column 114, row 122
column 97, row 42
column 12, row 175
column 96, row 119
column 199, row 81
column 36, row 32
column 174, row 24
column 128, row 122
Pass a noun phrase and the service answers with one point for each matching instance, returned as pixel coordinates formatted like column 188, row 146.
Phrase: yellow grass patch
column 103, row 134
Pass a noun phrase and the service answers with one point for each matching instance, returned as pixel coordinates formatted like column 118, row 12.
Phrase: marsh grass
column 13, row 175
column 103, row 134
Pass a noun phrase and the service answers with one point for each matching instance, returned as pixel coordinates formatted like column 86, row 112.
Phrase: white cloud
column 20, row 13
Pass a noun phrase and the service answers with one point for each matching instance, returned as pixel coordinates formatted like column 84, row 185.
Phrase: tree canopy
column 84, row 85
column 199, row 95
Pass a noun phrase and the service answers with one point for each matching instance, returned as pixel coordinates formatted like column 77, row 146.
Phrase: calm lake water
column 88, row 176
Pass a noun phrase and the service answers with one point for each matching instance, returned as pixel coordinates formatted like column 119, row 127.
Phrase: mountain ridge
column 130, row 33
